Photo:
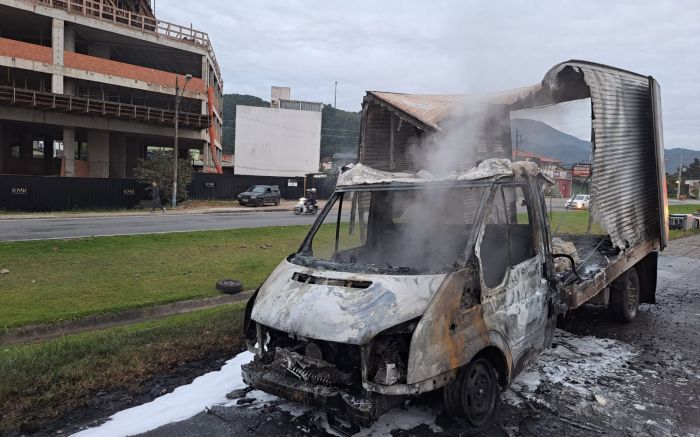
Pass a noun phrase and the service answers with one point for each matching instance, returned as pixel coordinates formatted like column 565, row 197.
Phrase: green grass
column 576, row 222
column 56, row 280
column 42, row 381
column 683, row 209
column 572, row 222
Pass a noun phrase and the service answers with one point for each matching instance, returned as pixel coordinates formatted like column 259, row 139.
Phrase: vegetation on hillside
column 340, row 131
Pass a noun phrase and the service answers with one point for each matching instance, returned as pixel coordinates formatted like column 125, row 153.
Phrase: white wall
column 277, row 142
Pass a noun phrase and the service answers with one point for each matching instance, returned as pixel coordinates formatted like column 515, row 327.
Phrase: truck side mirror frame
column 571, row 259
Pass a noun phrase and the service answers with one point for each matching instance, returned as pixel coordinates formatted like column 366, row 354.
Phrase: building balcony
column 45, row 101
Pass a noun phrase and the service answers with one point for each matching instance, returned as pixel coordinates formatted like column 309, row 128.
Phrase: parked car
column 579, row 201
column 260, row 195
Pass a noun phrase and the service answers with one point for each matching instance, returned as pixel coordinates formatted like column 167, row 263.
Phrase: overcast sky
column 448, row 46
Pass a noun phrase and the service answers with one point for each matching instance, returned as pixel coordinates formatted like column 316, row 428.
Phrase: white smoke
column 466, row 136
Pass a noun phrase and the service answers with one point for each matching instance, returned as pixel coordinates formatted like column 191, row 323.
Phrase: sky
column 448, row 47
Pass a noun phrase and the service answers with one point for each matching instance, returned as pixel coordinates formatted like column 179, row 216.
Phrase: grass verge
column 43, row 381
column 576, row 222
column 58, row 280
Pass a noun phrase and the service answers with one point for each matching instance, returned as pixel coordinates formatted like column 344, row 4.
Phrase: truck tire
column 624, row 296
column 229, row 286
column 474, row 394
column 480, row 394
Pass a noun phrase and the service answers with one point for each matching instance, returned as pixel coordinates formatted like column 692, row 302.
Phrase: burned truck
column 411, row 281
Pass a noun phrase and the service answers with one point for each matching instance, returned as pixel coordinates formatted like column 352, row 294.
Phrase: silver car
column 579, row 201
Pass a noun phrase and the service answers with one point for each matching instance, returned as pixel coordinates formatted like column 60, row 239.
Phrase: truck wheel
column 474, row 394
column 277, row 202
column 480, row 394
column 624, row 296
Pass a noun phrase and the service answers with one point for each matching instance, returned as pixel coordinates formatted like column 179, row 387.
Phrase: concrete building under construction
column 86, row 86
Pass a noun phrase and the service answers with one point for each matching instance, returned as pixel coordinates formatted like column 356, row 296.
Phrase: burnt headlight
column 388, row 357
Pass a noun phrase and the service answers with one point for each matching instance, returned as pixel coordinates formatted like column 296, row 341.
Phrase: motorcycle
column 305, row 207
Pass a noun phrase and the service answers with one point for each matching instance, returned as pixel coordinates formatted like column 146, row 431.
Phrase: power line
column 276, row 125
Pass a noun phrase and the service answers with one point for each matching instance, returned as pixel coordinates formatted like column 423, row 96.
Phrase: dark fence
column 211, row 186
column 323, row 182
column 47, row 193
column 43, row 193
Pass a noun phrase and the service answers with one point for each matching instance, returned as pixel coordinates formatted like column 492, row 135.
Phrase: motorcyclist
column 310, row 197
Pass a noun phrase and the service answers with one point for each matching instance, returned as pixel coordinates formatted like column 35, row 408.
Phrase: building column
column 68, row 46
column 98, row 153
column 68, row 152
column 57, row 46
column 117, row 156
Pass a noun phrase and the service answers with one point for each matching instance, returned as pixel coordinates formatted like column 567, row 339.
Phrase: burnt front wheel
column 474, row 394
column 480, row 397
column 624, row 296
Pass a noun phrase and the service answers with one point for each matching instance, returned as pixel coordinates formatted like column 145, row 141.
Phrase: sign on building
column 581, row 170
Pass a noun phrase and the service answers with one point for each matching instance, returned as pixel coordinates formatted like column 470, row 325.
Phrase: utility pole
column 335, row 96
column 680, row 176
column 178, row 96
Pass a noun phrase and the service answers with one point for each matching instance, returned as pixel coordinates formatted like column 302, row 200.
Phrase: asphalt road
column 74, row 227
column 600, row 378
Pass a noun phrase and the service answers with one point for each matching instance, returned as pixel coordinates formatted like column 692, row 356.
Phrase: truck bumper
column 360, row 411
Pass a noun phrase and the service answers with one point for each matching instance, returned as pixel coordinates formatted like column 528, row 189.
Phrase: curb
column 47, row 331
column 240, row 211
column 135, row 214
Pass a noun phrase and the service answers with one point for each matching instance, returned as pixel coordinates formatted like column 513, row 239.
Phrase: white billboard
column 277, row 142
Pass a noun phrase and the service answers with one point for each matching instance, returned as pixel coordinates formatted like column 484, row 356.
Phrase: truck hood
column 351, row 311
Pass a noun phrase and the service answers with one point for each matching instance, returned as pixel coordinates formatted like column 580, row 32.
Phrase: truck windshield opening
column 410, row 231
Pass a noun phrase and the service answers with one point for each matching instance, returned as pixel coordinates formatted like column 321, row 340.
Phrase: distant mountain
column 542, row 139
column 673, row 158
column 340, row 130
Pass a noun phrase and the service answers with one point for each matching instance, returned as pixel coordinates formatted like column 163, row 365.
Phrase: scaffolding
column 106, row 10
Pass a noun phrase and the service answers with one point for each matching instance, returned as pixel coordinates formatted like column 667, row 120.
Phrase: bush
column 159, row 167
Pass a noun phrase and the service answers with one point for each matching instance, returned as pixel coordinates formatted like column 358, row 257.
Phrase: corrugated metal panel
column 624, row 162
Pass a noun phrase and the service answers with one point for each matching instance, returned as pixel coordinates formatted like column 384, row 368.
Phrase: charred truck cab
column 409, row 282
